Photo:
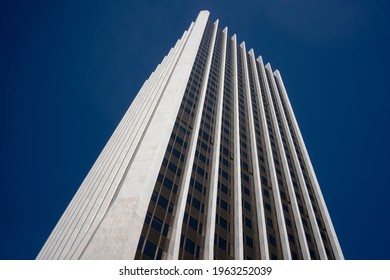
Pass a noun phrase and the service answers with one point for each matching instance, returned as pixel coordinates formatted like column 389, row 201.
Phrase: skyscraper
column 207, row 163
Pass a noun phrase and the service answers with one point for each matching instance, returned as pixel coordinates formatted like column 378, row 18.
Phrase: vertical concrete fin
column 264, row 253
column 238, row 230
column 313, row 178
column 174, row 245
column 274, row 180
column 212, row 203
column 286, row 170
column 301, row 179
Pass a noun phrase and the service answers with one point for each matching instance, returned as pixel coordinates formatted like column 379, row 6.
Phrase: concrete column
column 286, row 171
column 212, row 203
column 262, row 228
column 274, row 181
column 313, row 178
column 301, row 180
column 238, row 230
column 174, row 245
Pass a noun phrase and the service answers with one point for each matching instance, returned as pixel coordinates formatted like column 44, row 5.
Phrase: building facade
column 207, row 163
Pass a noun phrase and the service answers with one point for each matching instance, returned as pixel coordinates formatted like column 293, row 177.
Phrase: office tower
column 207, row 163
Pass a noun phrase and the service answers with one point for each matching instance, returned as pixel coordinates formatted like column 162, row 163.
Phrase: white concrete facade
column 106, row 216
column 108, row 227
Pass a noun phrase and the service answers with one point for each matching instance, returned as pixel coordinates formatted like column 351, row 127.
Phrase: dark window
column 224, row 189
column 190, row 246
column 225, row 151
column 222, row 243
column 140, row 243
column 179, row 140
column 196, row 203
column 225, row 162
column 168, row 183
column 150, row 249
column 157, row 223
column 198, row 186
column 249, row 241
column 162, row 202
column 291, row 238
column 224, row 204
column 248, row 222
column 165, row 161
column 176, row 153
column 148, row 217
column 223, row 223
column 201, row 171
column 193, row 223
column 269, row 222
column 272, row 240
column 172, row 167
column 225, row 175
column 160, row 178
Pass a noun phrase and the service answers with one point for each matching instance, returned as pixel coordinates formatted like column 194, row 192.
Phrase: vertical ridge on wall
column 238, row 230
column 163, row 81
column 271, row 162
column 174, row 245
column 306, row 164
column 61, row 239
column 301, row 181
column 262, row 234
column 212, row 201
column 286, row 172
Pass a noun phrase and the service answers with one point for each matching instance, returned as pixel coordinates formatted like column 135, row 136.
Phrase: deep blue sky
column 70, row 69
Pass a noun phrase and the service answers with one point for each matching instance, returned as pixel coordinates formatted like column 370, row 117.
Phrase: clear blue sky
column 70, row 69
